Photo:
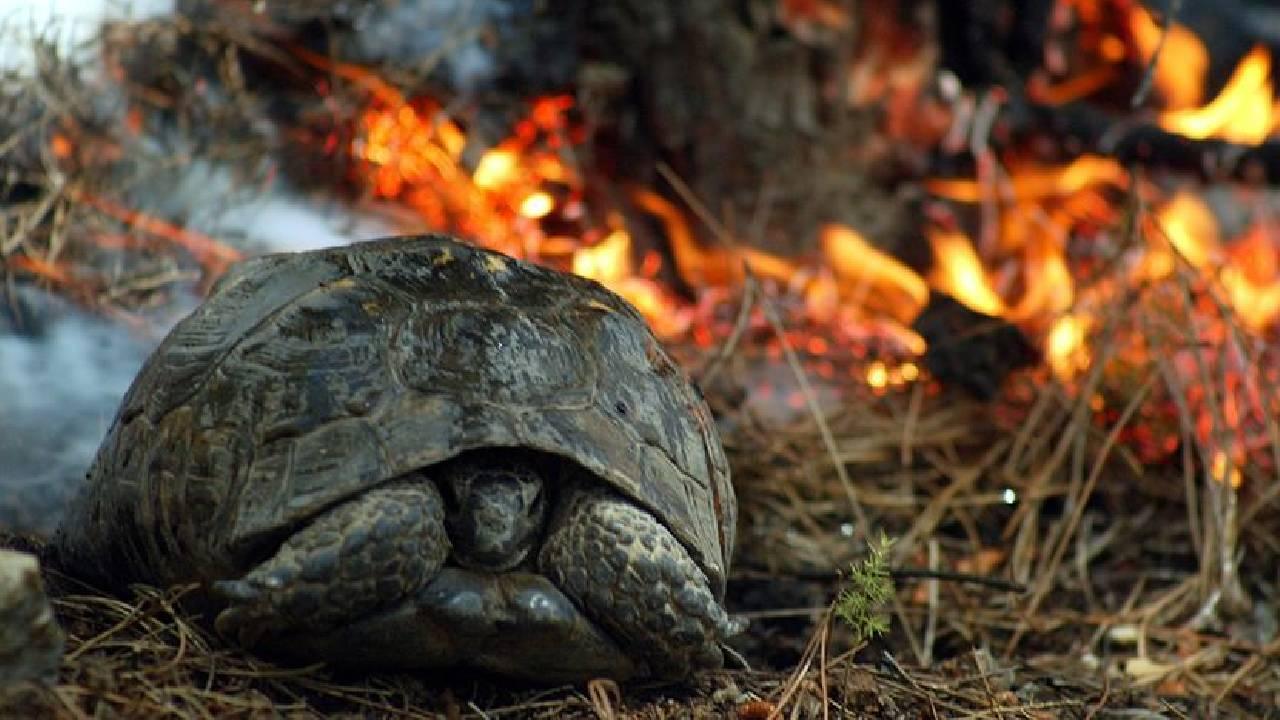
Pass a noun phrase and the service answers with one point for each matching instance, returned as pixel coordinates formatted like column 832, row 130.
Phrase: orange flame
column 1252, row 279
column 1183, row 63
column 1066, row 346
column 1039, row 183
column 959, row 272
column 1040, row 223
column 869, row 277
column 1241, row 113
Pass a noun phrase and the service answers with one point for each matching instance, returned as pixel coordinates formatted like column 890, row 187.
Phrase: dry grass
column 1149, row 587
column 146, row 658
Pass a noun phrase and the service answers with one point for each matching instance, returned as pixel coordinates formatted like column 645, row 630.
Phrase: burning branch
column 212, row 254
column 1096, row 132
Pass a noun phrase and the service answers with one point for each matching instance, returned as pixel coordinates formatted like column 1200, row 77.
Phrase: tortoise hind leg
column 631, row 575
column 361, row 556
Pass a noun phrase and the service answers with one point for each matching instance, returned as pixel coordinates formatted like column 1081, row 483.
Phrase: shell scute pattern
column 503, row 354
column 307, row 378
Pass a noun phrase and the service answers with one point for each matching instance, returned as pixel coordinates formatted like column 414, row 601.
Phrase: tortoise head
column 498, row 507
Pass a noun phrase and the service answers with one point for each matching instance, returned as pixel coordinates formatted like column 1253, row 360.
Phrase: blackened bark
column 970, row 349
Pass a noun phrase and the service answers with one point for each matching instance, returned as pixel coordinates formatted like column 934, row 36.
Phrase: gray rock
column 31, row 642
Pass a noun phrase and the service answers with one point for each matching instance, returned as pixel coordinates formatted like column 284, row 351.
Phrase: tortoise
column 415, row 453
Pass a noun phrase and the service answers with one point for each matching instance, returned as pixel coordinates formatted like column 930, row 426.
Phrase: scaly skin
column 359, row 557
column 629, row 573
column 367, row 561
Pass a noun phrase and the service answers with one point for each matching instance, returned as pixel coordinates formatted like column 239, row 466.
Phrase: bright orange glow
column 537, row 205
column 1191, row 228
column 495, row 169
column 958, row 272
column 1065, row 348
column 1050, row 289
column 1039, row 183
column 877, row 375
column 608, row 261
column 698, row 266
column 414, row 153
column 866, row 273
column 60, row 146
column 1046, row 231
column 1252, row 279
column 1241, row 113
column 1224, row 471
column 1183, row 64
column 1192, row 231
column 909, row 372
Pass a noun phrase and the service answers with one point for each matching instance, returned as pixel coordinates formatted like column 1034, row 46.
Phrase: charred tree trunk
column 739, row 108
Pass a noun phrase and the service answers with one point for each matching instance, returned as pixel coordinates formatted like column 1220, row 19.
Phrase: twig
column 819, row 417
column 711, row 369
column 959, row 577
column 1149, row 73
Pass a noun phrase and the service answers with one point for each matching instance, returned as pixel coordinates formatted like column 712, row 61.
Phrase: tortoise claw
column 236, row 590
column 240, row 622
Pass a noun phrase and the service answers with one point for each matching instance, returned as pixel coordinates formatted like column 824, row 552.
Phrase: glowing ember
column 1225, row 471
column 537, row 205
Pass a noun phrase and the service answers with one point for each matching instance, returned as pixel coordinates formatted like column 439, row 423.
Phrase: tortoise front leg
column 361, row 556
column 633, row 578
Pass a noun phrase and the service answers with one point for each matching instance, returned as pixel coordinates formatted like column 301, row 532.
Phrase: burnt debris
column 970, row 349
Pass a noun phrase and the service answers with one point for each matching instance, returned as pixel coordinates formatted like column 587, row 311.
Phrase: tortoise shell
column 307, row 378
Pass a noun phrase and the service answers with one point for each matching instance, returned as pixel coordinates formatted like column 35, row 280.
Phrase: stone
column 31, row 642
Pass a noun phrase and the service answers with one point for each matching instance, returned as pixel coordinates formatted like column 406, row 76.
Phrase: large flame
column 414, row 153
column 1023, row 270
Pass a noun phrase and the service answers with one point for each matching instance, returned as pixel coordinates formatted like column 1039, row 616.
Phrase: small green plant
column 868, row 589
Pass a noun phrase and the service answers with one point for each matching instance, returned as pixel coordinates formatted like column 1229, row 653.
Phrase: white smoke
column 70, row 25
column 63, row 371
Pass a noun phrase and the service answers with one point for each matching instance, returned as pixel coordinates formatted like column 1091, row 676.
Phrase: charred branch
column 970, row 349
column 1088, row 129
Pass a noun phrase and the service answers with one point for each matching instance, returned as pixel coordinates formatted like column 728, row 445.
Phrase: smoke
column 473, row 45
column 69, row 25
column 63, row 370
